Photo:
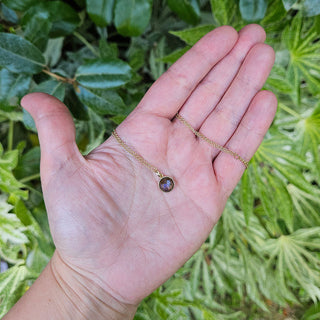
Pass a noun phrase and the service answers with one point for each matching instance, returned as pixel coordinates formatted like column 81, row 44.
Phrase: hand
column 109, row 220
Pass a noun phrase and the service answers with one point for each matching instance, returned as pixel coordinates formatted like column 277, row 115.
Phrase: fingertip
column 270, row 98
column 264, row 52
column 254, row 30
column 227, row 35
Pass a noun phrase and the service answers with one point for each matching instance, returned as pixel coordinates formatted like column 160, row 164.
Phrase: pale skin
column 117, row 235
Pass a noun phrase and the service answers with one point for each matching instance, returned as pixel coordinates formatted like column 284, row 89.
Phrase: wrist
column 82, row 298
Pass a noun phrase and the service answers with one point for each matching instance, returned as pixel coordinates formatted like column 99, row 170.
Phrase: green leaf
column 76, row 107
column 12, row 286
column 53, row 51
column 37, row 27
column 28, row 121
column 102, row 101
column 312, row 313
column 29, row 163
column 37, row 260
column 8, row 14
column 103, row 74
column 101, row 12
column 175, row 55
column 131, row 17
column 246, row 195
column 12, row 87
column 187, row 10
column 20, row 5
column 52, row 87
column 308, row 8
column 19, row 55
column 63, row 18
column 253, row 10
column 12, row 229
column 223, row 11
column 191, row 36
column 304, row 55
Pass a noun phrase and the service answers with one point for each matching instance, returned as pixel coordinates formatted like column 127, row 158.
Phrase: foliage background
column 262, row 260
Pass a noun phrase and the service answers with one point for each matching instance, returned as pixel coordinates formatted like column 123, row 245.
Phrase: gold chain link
column 214, row 144
column 137, row 155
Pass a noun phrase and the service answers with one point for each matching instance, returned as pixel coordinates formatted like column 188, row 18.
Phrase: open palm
column 108, row 217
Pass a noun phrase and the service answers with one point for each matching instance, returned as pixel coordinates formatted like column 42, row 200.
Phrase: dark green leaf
column 64, row 19
column 102, row 101
column 76, row 107
column 101, row 11
column 28, row 121
column 103, row 74
column 20, row 5
column 19, row 55
column 8, row 14
column 53, row 51
column 12, row 87
column 131, row 17
column 37, row 27
column 29, row 164
column 187, row 10
column 253, row 10
column 52, row 87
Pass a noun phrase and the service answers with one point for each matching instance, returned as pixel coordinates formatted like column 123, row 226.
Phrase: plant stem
column 29, row 178
column 87, row 44
column 10, row 135
column 290, row 111
column 57, row 77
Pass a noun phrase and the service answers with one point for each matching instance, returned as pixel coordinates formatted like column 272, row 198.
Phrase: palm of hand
column 109, row 219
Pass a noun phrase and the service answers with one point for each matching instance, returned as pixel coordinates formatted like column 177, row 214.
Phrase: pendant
column 166, row 184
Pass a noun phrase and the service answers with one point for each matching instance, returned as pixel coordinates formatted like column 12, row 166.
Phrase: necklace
column 166, row 183
column 216, row 145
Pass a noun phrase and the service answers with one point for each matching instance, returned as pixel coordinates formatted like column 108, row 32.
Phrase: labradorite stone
column 166, row 184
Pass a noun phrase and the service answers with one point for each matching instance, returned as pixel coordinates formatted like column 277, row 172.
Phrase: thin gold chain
column 137, row 155
column 216, row 145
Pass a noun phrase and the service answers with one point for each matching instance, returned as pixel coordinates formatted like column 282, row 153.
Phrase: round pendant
column 166, row 184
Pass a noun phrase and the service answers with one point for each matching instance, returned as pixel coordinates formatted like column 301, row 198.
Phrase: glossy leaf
column 252, row 10
column 63, row 18
column 102, row 101
column 103, row 74
column 20, row 5
column 19, row 55
column 52, row 87
column 131, row 17
column 12, row 87
column 53, row 51
column 37, row 27
column 187, row 10
column 101, row 12
column 8, row 14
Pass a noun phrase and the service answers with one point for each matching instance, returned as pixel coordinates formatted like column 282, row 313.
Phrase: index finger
column 171, row 90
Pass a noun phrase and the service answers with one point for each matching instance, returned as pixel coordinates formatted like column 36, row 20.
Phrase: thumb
column 56, row 132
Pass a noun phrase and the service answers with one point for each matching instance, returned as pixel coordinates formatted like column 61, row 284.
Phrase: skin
column 115, row 232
